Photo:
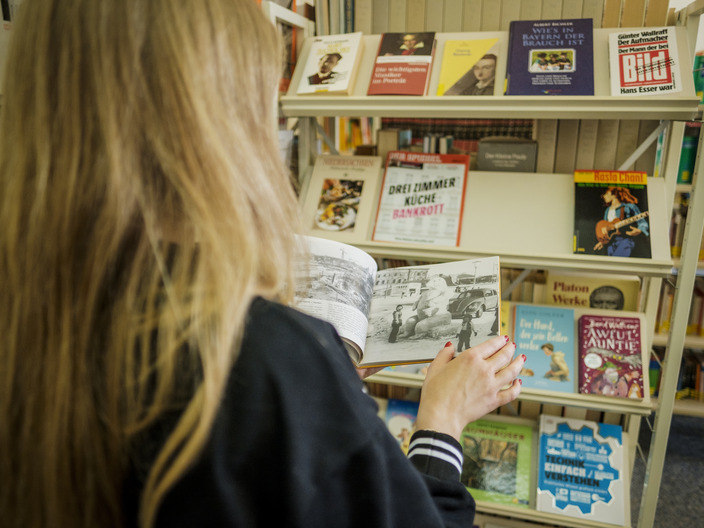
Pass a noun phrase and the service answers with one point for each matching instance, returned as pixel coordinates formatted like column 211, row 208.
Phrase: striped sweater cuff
column 436, row 454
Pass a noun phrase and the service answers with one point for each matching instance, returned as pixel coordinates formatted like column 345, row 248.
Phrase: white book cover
column 581, row 470
column 644, row 62
column 331, row 65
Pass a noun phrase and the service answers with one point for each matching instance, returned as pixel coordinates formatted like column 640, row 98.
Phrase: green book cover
column 498, row 455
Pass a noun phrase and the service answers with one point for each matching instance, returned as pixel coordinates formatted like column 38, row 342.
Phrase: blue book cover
column 401, row 420
column 546, row 335
column 550, row 57
column 581, row 470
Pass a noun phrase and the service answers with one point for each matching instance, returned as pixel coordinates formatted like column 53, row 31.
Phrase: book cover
column 397, row 315
column 550, row 57
column 340, row 197
column 468, row 67
column 602, row 291
column 332, row 64
column 400, row 418
column 611, row 213
column 644, row 62
column 581, row 470
column 498, row 460
column 402, row 65
column 545, row 334
column 610, row 356
column 422, row 198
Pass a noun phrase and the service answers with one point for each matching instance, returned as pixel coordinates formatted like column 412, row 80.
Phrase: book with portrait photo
column 331, row 65
column 611, row 213
column 550, row 57
column 340, row 197
column 602, row 291
column 498, row 460
column 402, row 64
column 468, row 67
column 397, row 315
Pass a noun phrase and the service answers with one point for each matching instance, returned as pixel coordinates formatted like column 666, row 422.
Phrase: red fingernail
column 520, row 381
column 449, row 343
column 506, row 338
column 524, row 358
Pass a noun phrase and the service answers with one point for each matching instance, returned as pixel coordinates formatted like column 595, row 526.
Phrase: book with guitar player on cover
column 611, row 213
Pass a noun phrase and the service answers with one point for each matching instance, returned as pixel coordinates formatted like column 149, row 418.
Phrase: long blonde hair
column 126, row 124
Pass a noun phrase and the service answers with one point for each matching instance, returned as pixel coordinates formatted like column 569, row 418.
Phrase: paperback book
column 397, row 315
column 644, row 62
column 341, row 196
column 550, row 57
column 402, row 64
column 400, row 418
column 422, row 198
column 581, row 470
column 498, row 460
column 601, row 291
column 468, row 67
column 332, row 64
column 611, row 213
column 545, row 334
column 611, row 356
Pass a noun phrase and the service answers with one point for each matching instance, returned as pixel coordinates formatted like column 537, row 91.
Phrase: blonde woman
column 152, row 373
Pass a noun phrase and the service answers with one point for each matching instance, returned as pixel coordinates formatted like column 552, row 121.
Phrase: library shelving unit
column 527, row 220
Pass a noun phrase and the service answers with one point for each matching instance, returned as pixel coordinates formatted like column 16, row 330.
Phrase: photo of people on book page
column 398, row 315
column 417, row 309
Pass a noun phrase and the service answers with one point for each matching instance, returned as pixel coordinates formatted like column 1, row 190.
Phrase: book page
column 336, row 285
column 417, row 309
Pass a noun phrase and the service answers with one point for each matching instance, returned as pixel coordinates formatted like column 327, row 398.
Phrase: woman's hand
column 458, row 390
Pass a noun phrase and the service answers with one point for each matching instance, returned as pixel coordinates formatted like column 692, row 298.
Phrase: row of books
column 690, row 379
column 695, row 321
column 556, row 464
column 378, row 16
column 601, row 354
column 536, row 57
column 421, row 198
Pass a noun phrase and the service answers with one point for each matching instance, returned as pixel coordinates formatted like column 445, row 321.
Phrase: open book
column 398, row 315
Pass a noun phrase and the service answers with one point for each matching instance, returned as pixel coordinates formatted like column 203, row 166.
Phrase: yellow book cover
column 468, row 67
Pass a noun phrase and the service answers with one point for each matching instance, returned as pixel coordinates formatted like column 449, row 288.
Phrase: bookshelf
column 494, row 227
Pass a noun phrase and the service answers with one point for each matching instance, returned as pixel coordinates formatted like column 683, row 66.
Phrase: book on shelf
column 550, row 57
column 610, row 356
column 644, row 62
column 545, row 334
column 397, row 315
column 611, row 213
column 507, row 154
column 582, row 470
column 402, row 64
column 400, row 418
column 341, row 196
column 422, row 198
column 468, row 67
column 332, row 64
column 498, row 460
column 607, row 291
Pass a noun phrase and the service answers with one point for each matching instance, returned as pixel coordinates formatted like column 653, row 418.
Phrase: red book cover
column 610, row 356
column 402, row 65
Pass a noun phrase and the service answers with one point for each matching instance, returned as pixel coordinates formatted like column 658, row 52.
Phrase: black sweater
column 297, row 443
